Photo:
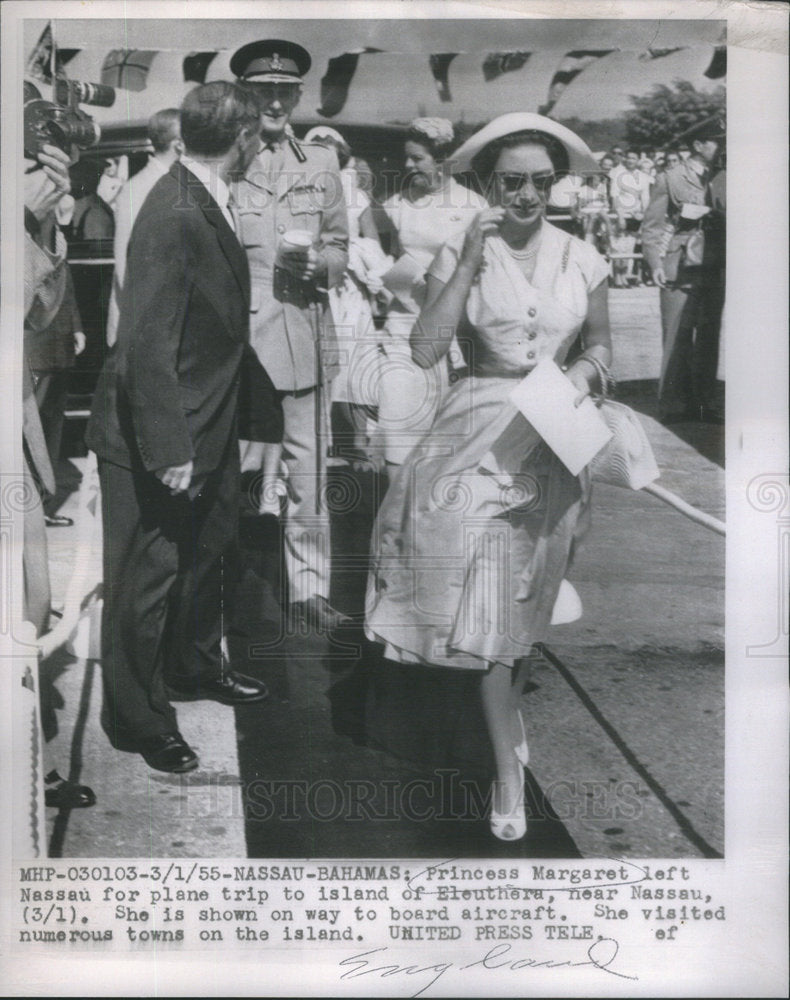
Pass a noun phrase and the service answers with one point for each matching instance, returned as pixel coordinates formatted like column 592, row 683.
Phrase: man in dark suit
column 164, row 426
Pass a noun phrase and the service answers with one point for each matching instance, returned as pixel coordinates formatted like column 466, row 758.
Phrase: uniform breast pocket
column 305, row 201
column 251, row 226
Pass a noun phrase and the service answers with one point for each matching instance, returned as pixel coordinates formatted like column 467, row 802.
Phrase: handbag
column 627, row 459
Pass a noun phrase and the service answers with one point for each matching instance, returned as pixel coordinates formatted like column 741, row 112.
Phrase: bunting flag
column 717, row 69
column 658, row 53
column 127, row 69
column 497, row 63
column 196, row 66
column 572, row 64
column 440, row 64
column 39, row 64
column 336, row 81
column 64, row 56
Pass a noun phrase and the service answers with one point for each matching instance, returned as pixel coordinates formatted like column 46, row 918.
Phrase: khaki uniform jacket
column 306, row 196
column 664, row 232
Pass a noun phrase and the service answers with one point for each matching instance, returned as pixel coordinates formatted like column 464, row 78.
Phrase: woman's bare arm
column 438, row 321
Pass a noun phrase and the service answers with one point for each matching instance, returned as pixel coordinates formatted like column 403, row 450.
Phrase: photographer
column 46, row 181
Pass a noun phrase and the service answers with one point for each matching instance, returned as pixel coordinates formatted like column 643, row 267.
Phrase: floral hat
column 438, row 130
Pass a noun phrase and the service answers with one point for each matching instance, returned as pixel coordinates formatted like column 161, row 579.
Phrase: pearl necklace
column 522, row 254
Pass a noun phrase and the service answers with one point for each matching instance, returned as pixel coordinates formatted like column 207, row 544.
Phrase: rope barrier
column 699, row 516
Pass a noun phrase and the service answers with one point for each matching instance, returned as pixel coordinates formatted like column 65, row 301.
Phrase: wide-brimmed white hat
column 580, row 155
column 319, row 132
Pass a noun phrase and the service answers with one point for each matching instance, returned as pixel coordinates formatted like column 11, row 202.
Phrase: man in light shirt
column 164, row 132
column 630, row 192
column 630, row 196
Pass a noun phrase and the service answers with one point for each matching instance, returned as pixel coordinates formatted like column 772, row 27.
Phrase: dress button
column 530, row 355
column 281, row 229
column 532, row 311
column 531, row 335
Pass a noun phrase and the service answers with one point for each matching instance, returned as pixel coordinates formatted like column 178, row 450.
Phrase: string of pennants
column 128, row 69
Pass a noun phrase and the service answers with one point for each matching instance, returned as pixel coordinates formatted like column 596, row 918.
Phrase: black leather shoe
column 169, row 752
column 57, row 521
column 62, row 794
column 317, row 613
column 229, row 688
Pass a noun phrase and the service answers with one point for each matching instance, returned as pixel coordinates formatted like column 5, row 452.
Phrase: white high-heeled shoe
column 522, row 749
column 512, row 825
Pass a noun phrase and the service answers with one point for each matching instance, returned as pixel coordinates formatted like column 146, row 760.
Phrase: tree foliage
column 657, row 119
column 601, row 135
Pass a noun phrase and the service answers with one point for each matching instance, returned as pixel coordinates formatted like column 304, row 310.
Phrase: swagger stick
column 321, row 417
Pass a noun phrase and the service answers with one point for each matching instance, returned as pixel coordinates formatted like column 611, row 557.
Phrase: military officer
column 289, row 187
column 673, row 233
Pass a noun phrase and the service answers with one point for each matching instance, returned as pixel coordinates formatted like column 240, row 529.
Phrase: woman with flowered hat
column 430, row 208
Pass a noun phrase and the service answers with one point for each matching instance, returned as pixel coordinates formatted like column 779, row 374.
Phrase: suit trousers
column 306, row 534
column 52, row 390
column 690, row 322
column 163, row 592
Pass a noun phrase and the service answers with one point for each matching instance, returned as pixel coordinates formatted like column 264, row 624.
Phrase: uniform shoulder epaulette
column 296, row 149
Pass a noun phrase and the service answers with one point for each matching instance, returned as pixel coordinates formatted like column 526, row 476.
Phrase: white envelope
column 574, row 434
column 693, row 212
column 405, row 272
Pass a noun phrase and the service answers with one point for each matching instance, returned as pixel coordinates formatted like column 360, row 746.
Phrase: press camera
column 62, row 122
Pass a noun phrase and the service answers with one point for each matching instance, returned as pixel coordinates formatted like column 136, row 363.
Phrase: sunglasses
column 281, row 91
column 512, row 183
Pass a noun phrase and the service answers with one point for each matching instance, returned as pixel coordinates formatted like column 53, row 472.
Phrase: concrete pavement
column 625, row 711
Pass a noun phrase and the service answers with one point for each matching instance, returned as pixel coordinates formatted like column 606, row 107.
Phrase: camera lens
column 69, row 130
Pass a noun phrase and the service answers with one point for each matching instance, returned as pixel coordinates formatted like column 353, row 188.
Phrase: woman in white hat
column 476, row 532
column 430, row 208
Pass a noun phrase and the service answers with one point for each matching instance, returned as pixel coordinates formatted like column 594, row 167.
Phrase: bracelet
column 604, row 375
column 605, row 380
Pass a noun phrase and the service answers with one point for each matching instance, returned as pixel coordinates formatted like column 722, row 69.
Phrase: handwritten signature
column 600, row 955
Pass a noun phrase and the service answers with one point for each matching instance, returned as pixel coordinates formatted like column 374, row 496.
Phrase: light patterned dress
column 476, row 531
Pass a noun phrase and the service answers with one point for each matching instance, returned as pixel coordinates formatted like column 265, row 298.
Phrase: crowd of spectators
column 607, row 209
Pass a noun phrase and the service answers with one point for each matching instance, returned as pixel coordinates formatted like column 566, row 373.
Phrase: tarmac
column 350, row 757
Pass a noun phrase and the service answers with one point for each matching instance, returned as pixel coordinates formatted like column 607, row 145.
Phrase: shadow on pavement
column 351, row 756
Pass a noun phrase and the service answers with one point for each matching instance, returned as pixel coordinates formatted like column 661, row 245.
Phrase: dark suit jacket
column 169, row 390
